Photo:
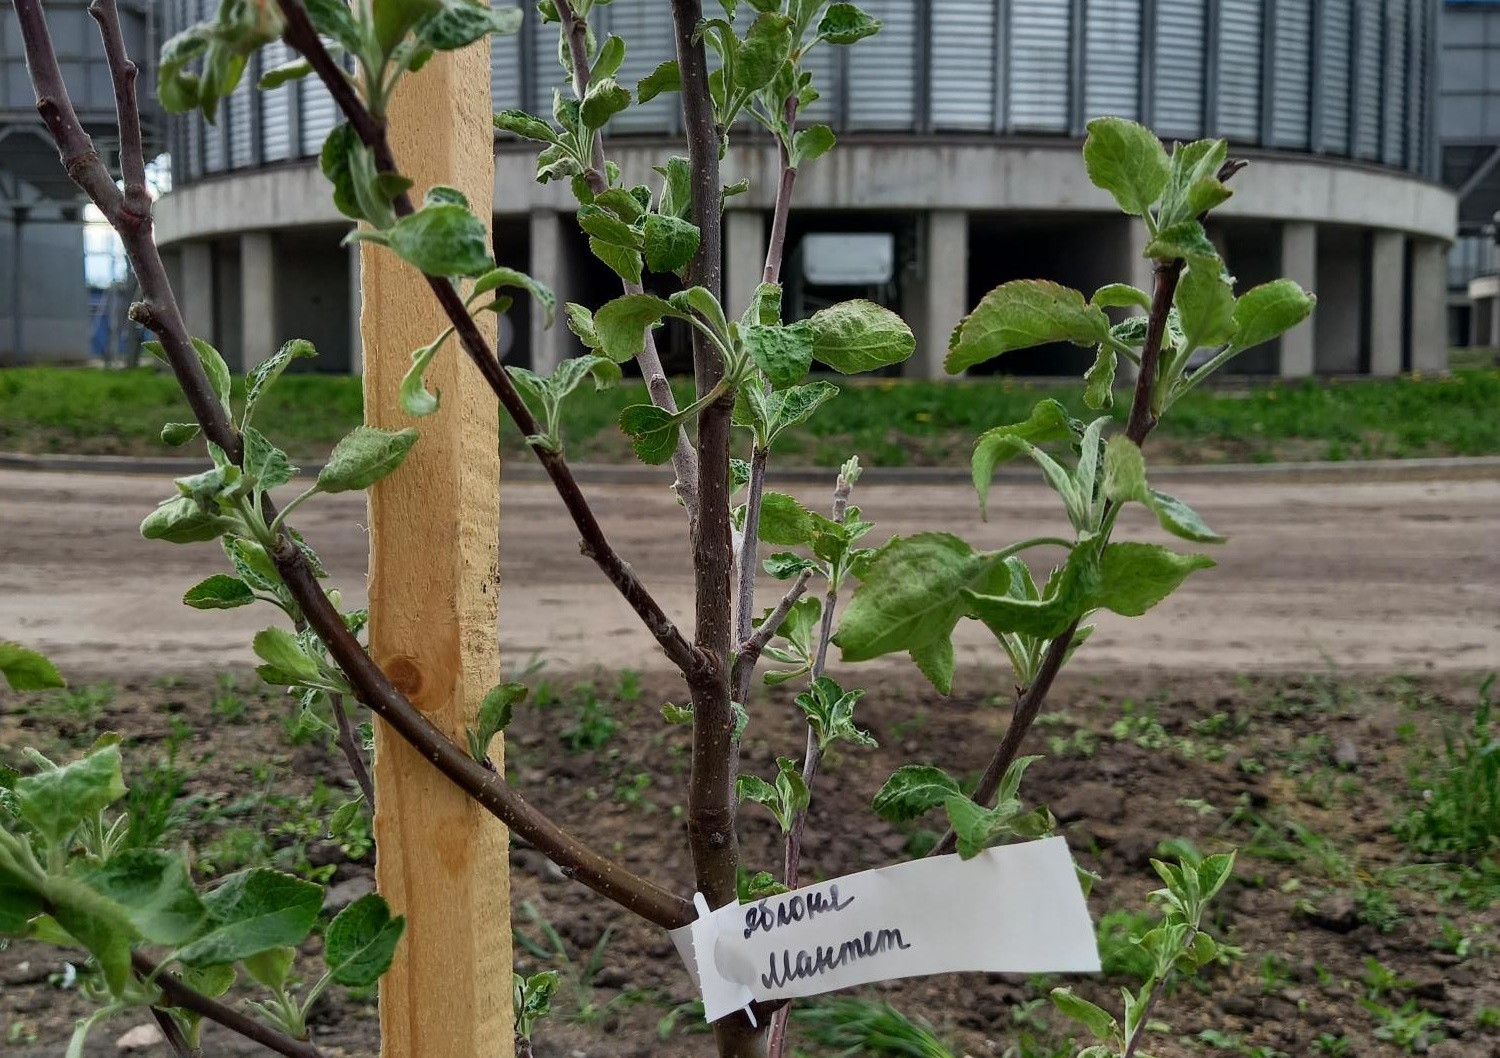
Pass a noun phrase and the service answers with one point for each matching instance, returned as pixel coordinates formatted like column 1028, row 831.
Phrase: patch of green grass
column 885, row 421
column 1457, row 808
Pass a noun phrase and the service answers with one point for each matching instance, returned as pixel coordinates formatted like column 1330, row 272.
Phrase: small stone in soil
column 140, row 1038
column 345, row 893
column 1335, row 913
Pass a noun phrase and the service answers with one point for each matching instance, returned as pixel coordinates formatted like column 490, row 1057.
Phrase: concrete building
column 958, row 162
column 1469, row 120
column 44, row 298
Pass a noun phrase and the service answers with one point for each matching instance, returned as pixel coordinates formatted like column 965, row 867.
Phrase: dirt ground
column 1305, row 774
column 1395, row 576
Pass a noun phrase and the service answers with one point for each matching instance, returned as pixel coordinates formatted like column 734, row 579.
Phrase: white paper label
column 1012, row 909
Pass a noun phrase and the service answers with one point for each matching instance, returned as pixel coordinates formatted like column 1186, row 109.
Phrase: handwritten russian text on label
column 1017, row 909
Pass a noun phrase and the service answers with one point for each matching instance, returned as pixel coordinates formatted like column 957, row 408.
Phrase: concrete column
column 550, row 265
column 1299, row 263
column 197, row 290
column 260, row 335
column 1387, row 301
column 744, row 258
column 1429, row 306
column 943, row 297
column 356, row 339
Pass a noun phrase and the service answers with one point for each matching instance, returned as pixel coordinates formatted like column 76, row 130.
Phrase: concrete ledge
column 1458, row 468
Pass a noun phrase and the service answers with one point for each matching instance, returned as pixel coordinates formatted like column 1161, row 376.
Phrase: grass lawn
column 887, row 423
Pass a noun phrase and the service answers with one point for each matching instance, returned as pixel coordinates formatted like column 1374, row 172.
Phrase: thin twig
column 196, row 1002
column 349, row 745
column 749, row 556
column 685, row 456
column 172, row 1033
column 160, row 309
column 752, row 648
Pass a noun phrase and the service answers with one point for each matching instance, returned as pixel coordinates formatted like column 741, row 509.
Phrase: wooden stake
column 434, row 542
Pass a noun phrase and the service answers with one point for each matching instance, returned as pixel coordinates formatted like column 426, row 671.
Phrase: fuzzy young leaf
column 1193, row 186
column 856, row 336
column 501, row 277
column 1128, row 161
column 216, row 369
column 784, row 354
column 269, row 370
column 178, row 434
column 604, row 100
column 462, row 22
column 266, row 466
column 912, row 791
column 416, row 399
column 1186, row 240
column 1067, row 597
column 56, row 800
column 19, row 904
column 364, row 456
column 527, row 126
column 1100, row 1023
column 1205, row 303
column 665, row 78
column 272, row 966
column 847, row 24
column 361, row 941
column 284, row 657
column 219, row 592
column 443, row 238
column 1021, row 314
column 830, row 713
column 785, row 799
column 1049, row 421
column 622, row 260
column 1135, row 577
column 622, row 324
column 913, row 594
column 1121, row 296
column 766, row 47
column 1268, row 311
column 495, row 714
column 670, row 243
column 155, row 891
column 181, row 520
column 26, row 670
column 811, row 143
column 251, row 912
column 652, row 431
column 784, row 522
column 1099, row 379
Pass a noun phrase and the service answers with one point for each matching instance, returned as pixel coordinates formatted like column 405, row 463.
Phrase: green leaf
column 265, row 465
column 336, row 160
column 811, row 143
column 1100, row 1023
column 611, row 55
column 1099, row 379
column 495, row 714
column 1135, row 577
column 783, row 521
column 56, row 800
column 281, row 651
column 1205, row 303
column 26, row 670
column 1128, row 161
column 441, row 239
column 155, row 891
column 830, row 713
column 364, row 456
column 766, row 48
column 623, row 261
column 501, row 277
column 95, row 921
column 1021, row 314
column 912, row 595
column 912, row 791
column 462, row 22
column 784, row 354
column 271, row 967
column 251, row 912
column 1066, row 598
column 1268, row 311
column 415, row 398
column 1186, row 239
column 395, row 18
column 670, row 243
column 621, row 325
column 1121, row 296
column 527, row 126
column 847, row 24
column 665, row 78
column 856, row 336
column 1125, row 481
column 1049, row 421
column 361, row 941
column 785, row 799
column 286, row 73
column 216, row 369
column 1181, row 520
column 652, row 431
column 219, row 592
column 269, row 370
column 19, row 904
column 1193, row 187
column 603, row 101
column 177, row 434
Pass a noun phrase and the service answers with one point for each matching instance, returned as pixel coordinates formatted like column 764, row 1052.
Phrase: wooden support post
column 434, row 542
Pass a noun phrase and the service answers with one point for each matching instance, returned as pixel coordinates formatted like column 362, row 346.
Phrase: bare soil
column 1219, row 760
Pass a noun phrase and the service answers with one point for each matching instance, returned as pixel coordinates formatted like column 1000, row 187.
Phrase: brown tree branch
column 349, row 746
column 186, row 998
column 172, row 1033
column 752, row 648
column 161, row 312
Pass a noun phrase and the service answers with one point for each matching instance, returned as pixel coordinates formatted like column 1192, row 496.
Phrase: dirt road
column 1396, row 576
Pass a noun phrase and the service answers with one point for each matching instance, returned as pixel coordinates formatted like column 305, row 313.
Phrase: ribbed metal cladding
column 1346, row 78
